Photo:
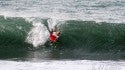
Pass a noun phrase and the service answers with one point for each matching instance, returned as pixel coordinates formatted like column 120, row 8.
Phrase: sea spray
column 38, row 34
column 52, row 23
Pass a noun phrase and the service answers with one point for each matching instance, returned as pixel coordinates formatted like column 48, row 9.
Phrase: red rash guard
column 52, row 37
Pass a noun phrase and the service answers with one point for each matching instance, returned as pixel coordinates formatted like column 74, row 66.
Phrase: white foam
column 52, row 23
column 63, row 65
column 38, row 35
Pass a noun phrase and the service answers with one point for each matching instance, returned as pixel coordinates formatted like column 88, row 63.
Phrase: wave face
column 13, row 32
column 92, row 36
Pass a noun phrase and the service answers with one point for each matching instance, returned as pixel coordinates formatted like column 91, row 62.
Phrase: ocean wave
column 78, row 39
column 88, row 35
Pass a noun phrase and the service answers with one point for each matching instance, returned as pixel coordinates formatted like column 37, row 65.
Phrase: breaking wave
column 84, row 39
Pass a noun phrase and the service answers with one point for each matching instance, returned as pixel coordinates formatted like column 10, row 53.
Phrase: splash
column 52, row 23
column 38, row 34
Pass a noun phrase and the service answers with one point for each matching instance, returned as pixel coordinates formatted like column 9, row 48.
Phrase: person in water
column 54, row 35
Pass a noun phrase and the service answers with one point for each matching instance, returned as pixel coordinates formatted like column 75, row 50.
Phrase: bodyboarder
column 54, row 35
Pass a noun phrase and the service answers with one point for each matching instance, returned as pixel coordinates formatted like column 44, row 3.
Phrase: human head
column 58, row 33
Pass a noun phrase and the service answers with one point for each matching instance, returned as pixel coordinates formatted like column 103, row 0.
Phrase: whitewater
column 62, row 65
column 92, row 34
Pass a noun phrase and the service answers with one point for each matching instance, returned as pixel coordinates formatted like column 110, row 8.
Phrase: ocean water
column 92, row 34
